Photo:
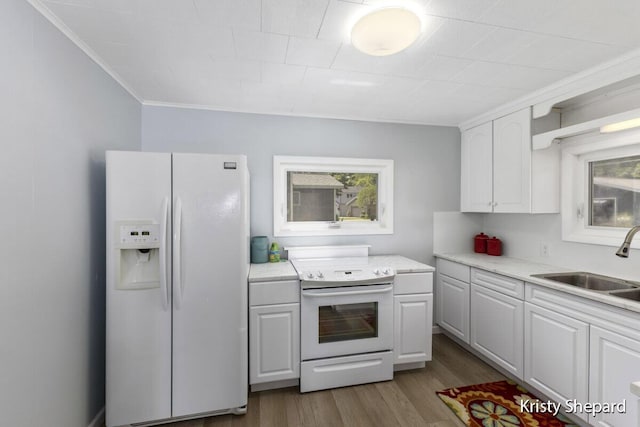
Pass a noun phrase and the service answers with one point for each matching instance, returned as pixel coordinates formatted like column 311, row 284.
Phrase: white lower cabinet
column 496, row 328
column 452, row 298
column 274, row 334
column 556, row 349
column 453, row 306
column 615, row 363
column 413, row 318
column 275, row 343
column 568, row 348
column 596, row 355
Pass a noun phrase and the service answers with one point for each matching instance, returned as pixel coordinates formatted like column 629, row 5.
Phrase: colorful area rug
column 499, row 404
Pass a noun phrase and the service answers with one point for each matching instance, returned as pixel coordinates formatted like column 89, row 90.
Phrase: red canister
column 494, row 246
column 480, row 243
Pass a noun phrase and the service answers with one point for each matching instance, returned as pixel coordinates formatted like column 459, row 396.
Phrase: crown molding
column 606, row 73
column 289, row 114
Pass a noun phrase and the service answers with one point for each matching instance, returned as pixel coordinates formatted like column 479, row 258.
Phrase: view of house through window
column 331, row 196
column 615, row 192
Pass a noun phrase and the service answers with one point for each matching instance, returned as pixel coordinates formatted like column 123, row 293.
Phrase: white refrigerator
column 177, row 264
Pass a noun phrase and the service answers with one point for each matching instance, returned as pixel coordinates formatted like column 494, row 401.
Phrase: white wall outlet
column 544, row 249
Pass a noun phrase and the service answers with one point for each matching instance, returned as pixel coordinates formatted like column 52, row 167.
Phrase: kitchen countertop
column 400, row 264
column 272, row 271
column 269, row 272
column 522, row 270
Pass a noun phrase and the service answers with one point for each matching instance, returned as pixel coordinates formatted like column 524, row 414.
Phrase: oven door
column 346, row 320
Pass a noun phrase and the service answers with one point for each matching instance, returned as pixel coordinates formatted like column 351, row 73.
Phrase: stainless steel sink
column 594, row 282
column 632, row 294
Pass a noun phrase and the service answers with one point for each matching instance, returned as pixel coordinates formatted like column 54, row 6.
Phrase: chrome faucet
column 623, row 251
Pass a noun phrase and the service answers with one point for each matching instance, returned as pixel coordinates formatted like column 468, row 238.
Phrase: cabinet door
column 274, row 343
column 512, row 162
column 615, row 364
column 476, row 179
column 452, row 296
column 413, row 323
column 496, row 328
column 546, row 335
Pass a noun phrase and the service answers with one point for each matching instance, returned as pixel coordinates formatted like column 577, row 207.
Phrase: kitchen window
column 315, row 196
column 614, row 192
column 600, row 187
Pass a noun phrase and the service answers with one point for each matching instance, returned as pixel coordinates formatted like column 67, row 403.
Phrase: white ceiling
column 294, row 57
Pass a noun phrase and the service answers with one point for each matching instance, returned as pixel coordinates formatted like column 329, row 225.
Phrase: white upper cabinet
column 500, row 173
column 512, row 162
column 477, row 169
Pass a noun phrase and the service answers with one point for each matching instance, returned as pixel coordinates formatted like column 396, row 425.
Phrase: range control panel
column 346, row 277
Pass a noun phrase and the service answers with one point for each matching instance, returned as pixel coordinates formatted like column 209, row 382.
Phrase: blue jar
column 259, row 249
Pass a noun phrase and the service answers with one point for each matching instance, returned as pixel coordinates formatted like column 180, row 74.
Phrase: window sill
column 331, row 230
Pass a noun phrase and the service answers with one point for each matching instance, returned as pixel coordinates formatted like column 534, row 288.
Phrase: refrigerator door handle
column 177, row 252
column 163, row 254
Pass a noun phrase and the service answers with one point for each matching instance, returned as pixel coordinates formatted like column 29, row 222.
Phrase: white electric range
column 346, row 322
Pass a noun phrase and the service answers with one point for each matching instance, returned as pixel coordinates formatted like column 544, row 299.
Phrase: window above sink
column 601, row 188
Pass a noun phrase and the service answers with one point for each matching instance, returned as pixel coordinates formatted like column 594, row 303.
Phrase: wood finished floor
column 408, row 400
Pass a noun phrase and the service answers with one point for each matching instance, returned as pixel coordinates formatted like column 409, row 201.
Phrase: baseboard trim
column 408, row 366
column 98, row 420
column 436, row 330
column 275, row 384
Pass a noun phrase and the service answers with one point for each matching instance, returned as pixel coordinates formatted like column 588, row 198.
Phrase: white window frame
column 284, row 164
column 577, row 152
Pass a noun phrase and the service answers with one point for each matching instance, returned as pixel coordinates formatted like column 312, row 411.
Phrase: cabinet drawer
column 499, row 283
column 413, row 283
column 264, row 293
column 453, row 269
column 343, row 371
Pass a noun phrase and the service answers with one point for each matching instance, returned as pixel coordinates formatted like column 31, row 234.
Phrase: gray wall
column 59, row 113
column 427, row 164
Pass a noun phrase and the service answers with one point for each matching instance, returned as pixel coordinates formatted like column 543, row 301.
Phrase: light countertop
column 272, row 271
column 269, row 272
column 400, row 264
column 522, row 270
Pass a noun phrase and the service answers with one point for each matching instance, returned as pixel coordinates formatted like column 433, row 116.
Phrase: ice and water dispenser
column 139, row 260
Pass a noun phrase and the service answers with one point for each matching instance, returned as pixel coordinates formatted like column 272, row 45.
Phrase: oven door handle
column 311, row 293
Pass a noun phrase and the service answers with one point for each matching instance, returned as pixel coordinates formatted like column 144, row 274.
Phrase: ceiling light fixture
column 615, row 127
column 386, row 31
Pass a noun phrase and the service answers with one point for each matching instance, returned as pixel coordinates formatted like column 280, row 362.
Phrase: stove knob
column 385, row 271
column 376, row 271
column 309, row 275
column 320, row 275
